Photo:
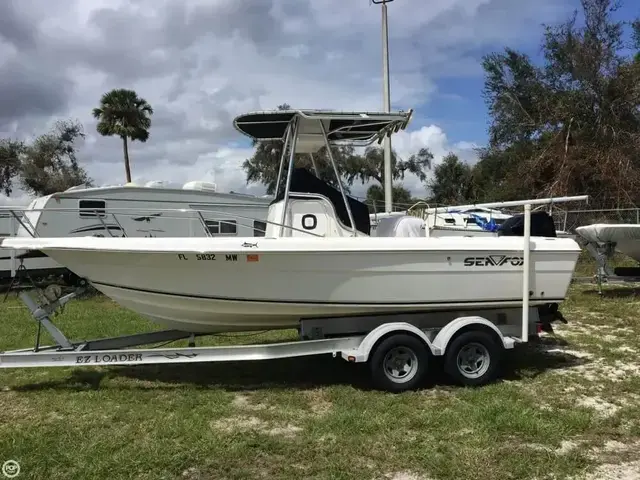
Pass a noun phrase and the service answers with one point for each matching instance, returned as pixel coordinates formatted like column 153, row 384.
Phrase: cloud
column 202, row 62
column 18, row 199
column 435, row 139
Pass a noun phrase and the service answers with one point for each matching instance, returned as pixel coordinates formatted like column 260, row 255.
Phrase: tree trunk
column 127, row 168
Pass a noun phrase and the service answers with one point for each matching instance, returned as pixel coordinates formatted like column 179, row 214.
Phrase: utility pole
column 388, row 181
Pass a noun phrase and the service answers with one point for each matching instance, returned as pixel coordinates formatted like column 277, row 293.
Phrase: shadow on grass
column 289, row 373
column 77, row 380
column 296, row 373
column 538, row 357
column 615, row 292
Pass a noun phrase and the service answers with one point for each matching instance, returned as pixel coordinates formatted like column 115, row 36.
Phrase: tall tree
column 402, row 198
column 122, row 113
column 572, row 124
column 47, row 165
column 452, row 182
column 10, row 162
column 263, row 166
column 370, row 166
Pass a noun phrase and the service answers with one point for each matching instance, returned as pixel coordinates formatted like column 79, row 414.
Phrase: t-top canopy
column 359, row 128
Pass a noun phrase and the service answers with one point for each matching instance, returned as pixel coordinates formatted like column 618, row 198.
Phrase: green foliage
column 370, row 166
column 452, row 182
column 571, row 125
column 402, row 197
column 47, row 165
column 122, row 113
column 10, row 162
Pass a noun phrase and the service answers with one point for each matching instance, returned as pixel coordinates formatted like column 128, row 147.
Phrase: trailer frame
column 355, row 339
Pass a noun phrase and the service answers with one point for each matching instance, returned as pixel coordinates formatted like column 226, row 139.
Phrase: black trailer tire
column 398, row 363
column 472, row 358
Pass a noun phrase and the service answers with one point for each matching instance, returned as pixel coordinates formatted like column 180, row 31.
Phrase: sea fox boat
column 317, row 259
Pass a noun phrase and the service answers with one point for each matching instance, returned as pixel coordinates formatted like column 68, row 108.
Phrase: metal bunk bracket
column 43, row 313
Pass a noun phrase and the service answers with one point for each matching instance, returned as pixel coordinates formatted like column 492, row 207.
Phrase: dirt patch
column 599, row 369
column 602, row 408
column 319, row 402
column 288, row 431
column 621, row 471
column 622, row 370
column 610, row 338
column 244, row 402
column 191, row 473
column 405, row 476
column 625, row 349
column 238, row 424
column 613, row 447
column 328, row 438
column 566, row 351
column 246, row 424
column 566, row 446
column 586, row 329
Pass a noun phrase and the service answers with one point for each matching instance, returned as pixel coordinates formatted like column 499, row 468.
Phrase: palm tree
column 126, row 115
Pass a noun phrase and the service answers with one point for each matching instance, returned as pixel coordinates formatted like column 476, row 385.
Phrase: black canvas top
column 541, row 225
column 303, row 181
column 340, row 126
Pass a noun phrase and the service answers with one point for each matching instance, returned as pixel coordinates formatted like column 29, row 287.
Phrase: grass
column 566, row 408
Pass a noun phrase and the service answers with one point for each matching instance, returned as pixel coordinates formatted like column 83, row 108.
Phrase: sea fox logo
column 493, row 261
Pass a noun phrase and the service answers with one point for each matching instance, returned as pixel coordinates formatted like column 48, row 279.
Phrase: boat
column 317, row 259
column 481, row 219
column 602, row 240
column 448, row 220
column 623, row 237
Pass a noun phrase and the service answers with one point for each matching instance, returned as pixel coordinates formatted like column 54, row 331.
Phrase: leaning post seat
column 303, row 181
column 402, row 226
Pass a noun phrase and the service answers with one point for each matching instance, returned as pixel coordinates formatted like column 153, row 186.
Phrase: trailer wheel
column 472, row 358
column 398, row 363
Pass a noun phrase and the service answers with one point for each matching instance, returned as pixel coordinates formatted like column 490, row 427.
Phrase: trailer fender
column 445, row 335
column 361, row 352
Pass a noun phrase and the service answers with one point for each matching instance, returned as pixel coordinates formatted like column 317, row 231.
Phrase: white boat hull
column 211, row 285
column 626, row 237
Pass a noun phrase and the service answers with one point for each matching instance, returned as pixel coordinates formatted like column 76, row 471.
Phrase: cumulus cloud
column 433, row 137
column 19, row 199
column 202, row 62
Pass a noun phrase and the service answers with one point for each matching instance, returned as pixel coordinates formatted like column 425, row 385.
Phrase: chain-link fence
column 569, row 220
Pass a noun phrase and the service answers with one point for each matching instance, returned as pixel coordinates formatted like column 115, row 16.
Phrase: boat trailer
column 396, row 348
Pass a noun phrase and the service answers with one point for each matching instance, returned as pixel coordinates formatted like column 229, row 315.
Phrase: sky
column 200, row 63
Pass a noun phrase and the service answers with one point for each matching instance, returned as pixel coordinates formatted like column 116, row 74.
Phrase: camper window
column 259, row 228
column 88, row 208
column 222, row 227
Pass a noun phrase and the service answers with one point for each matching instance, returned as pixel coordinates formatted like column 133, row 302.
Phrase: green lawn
column 568, row 408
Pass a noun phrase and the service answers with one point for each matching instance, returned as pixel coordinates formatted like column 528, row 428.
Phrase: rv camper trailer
column 132, row 211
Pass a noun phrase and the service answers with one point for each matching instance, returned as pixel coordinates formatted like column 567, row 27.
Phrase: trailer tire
column 472, row 358
column 398, row 363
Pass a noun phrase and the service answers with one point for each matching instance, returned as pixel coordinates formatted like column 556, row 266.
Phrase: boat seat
column 401, row 226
